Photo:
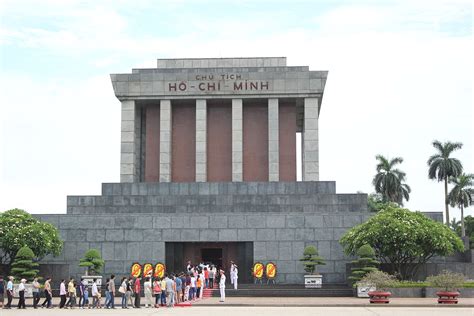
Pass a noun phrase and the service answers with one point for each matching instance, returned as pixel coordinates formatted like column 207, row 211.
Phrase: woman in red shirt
column 137, row 289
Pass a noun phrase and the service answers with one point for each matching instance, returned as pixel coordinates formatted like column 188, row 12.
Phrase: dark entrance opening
column 177, row 254
column 212, row 255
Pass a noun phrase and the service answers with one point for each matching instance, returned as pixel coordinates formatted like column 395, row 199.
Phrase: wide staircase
column 283, row 290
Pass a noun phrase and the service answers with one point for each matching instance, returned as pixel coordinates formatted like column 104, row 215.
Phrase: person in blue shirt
column 9, row 292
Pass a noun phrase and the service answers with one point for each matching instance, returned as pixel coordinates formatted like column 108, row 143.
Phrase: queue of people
column 172, row 289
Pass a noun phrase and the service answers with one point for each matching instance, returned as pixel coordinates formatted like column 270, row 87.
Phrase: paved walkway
column 250, row 310
column 328, row 302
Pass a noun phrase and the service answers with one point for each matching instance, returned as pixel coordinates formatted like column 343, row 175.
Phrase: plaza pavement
column 300, row 306
column 252, row 310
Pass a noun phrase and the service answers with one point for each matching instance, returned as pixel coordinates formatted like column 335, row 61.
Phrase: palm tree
column 389, row 181
column 461, row 195
column 442, row 167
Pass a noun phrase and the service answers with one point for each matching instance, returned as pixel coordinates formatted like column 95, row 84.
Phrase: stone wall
column 132, row 221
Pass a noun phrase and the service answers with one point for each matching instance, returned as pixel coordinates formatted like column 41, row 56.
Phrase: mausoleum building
column 208, row 172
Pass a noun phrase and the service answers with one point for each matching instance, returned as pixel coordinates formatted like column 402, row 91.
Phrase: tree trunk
column 446, row 204
column 463, row 230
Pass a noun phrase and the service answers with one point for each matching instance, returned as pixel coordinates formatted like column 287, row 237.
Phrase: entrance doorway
column 212, row 256
column 177, row 254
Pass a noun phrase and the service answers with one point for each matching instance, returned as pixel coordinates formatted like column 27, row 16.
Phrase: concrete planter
column 312, row 281
column 464, row 292
column 379, row 297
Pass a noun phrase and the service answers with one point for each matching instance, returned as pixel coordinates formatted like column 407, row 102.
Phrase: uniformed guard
column 222, row 286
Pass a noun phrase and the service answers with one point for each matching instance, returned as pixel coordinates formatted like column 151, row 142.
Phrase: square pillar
column 237, row 143
column 165, row 140
column 128, row 143
column 310, row 140
column 273, row 141
column 201, row 144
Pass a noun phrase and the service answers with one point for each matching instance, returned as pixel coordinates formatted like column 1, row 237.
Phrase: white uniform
column 231, row 273
column 235, row 277
column 222, row 287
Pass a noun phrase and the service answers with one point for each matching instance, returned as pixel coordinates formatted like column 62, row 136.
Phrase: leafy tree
column 402, row 239
column 23, row 266
column 311, row 259
column 18, row 229
column 455, row 225
column 461, row 195
column 442, row 167
column 92, row 261
column 389, row 181
column 375, row 202
column 365, row 264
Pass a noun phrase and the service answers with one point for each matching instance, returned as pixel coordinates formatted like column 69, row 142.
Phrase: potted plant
column 360, row 267
column 381, row 281
column 450, row 282
column 93, row 262
column 310, row 260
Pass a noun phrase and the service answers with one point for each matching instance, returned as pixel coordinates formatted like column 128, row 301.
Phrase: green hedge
column 412, row 284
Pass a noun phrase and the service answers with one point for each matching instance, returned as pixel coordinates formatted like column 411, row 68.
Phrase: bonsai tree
column 92, row 261
column 378, row 279
column 311, row 259
column 447, row 280
column 365, row 264
column 24, row 267
column 403, row 240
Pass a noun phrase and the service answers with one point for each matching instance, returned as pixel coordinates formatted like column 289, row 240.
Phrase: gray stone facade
column 131, row 222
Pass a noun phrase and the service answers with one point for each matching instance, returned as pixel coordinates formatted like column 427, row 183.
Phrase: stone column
column 165, row 140
column 201, row 141
column 237, row 143
column 128, row 153
column 273, row 141
column 310, row 140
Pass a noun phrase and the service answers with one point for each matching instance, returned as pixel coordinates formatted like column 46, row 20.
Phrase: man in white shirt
column 62, row 293
column 9, row 292
column 95, row 294
column 222, row 286
column 21, row 294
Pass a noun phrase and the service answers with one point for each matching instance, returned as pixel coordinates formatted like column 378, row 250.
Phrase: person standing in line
column 137, row 289
column 179, row 286
column 147, row 291
column 222, row 286
column 206, row 277
column 111, row 287
column 163, row 292
column 21, row 294
column 235, row 276
column 123, row 291
column 232, row 272
column 198, row 286
column 170, row 289
column 80, row 293
column 9, row 292
column 85, row 297
column 62, row 293
column 95, row 294
column 2, row 291
column 192, row 289
column 130, row 292
column 157, row 292
column 187, row 288
column 183, row 286
column 71, row 290
column 48, row 294
column 107, row 293
column 211, row 277
column 36, row 292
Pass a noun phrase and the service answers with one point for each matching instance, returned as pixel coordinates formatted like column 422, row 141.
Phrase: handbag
column 122, row 290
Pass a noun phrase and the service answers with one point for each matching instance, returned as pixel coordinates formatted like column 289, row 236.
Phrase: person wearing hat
column 235, row 276
column 222, row 286
column 9, row 292
column 21, row 293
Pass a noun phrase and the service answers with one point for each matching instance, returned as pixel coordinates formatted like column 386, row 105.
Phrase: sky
column 400, row 76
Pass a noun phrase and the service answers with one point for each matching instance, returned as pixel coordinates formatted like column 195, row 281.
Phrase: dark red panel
column 152, row 144
column 255, row 137
column 287, row 141
column 183, row 157
column 219, row 141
